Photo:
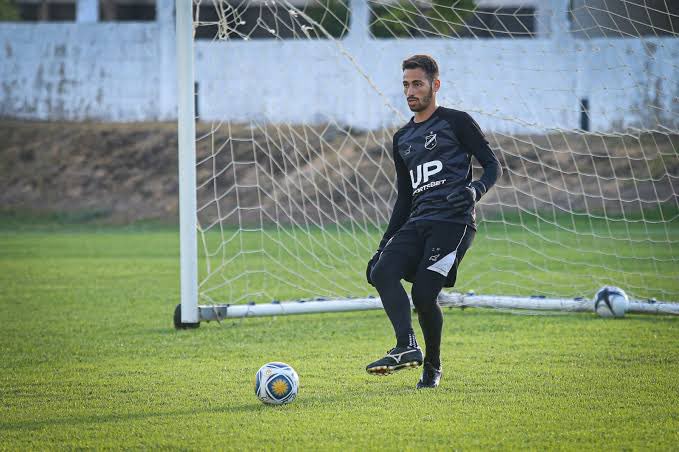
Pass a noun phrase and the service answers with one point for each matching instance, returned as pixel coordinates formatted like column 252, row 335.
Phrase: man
column 433, row 221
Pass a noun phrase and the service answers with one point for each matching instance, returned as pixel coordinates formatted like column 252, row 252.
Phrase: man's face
column 418, row 89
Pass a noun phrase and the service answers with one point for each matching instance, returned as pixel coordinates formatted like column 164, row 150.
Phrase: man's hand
column 464, row 198
column 371, row 263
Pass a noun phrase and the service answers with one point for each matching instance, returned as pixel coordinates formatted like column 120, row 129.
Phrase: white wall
column 81, row 71
column 126, row 72
column 509, row 85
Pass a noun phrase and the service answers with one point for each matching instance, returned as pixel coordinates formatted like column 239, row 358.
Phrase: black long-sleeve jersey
column 432, row 159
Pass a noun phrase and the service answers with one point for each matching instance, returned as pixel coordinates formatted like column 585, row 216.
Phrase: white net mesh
column 298, row 101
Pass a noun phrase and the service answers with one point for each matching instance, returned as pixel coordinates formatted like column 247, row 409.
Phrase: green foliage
column 9, row 11
column 332, row 15
column 406, row 18
column 90, row 361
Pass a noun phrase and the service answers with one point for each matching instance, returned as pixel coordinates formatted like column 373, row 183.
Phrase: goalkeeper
column 433, row 222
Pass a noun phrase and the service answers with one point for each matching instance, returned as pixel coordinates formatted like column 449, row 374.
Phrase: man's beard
column 424, row 103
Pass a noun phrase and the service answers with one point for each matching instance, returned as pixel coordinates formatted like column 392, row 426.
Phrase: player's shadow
column 108, row 418
column 253, row 408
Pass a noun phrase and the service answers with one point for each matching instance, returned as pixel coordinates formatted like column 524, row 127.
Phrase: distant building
column 521, row 66
column 489, row 19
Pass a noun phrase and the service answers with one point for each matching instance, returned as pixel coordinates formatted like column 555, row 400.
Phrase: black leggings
column 428, row 254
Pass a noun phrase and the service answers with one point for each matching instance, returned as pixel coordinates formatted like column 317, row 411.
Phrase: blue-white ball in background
column 611, row 301
column 276, row 383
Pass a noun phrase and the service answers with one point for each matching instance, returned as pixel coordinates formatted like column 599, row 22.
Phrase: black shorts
column 424, row 245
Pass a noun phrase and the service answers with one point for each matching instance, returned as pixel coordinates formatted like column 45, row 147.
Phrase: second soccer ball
column 611, row 302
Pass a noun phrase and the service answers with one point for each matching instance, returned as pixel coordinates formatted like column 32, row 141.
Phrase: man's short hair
column 424, row 62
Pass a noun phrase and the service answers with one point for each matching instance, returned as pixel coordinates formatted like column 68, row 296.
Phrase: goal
column 286, row 114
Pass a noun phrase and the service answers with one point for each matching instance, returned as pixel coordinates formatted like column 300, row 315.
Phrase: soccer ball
column 276, row 383
column 611, row 301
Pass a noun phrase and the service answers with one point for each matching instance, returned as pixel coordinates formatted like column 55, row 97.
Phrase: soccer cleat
column 431, row 376
column 396, row 359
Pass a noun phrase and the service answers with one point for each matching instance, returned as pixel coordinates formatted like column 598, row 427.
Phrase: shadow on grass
column 106, row 418
column 310, row 402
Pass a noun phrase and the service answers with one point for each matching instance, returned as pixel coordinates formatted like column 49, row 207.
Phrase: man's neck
column 421, row 116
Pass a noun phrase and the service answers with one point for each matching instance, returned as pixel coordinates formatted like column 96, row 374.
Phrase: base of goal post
column 209, row 313
column 177, row 319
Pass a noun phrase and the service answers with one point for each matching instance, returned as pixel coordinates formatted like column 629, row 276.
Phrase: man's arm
column 472, row 139
column 470, row 136
column 404, row 197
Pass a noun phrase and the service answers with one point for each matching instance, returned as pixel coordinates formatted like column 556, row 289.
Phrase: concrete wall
column 510, row 86
column 82, row 71
column 126, row 72
column 78, row 72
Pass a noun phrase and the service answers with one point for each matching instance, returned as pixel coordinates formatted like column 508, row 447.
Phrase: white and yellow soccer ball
column 276, row 383
column 611, row 301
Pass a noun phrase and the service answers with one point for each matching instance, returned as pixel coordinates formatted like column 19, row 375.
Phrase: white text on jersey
column 425, row 171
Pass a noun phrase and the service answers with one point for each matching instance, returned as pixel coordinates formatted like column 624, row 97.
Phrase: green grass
column 90, row 360
column 518, row 256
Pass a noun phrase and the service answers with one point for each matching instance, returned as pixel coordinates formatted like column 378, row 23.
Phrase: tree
column 9, row 11
column 413, row 18
column 332, row 15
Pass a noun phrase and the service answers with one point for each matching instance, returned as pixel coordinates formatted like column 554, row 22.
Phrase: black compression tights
column 425, row 290
column 387, row 279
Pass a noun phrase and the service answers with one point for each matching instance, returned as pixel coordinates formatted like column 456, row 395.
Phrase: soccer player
column 433, row 222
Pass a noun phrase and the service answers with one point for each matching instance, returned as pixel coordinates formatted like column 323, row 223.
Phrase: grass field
column 519, row 255
column 90, row 360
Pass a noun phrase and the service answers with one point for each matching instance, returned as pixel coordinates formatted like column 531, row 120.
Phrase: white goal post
column 186, row 131
column 286, row 109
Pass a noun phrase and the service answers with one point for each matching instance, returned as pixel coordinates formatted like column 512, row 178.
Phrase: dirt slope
column 127, row 172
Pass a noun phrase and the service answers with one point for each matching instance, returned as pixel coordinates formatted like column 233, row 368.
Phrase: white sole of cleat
column 388, row 370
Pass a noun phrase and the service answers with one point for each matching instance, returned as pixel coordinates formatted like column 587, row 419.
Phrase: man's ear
column 437, row 84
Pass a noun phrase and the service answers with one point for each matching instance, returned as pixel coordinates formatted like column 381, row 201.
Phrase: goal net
column 297, row 101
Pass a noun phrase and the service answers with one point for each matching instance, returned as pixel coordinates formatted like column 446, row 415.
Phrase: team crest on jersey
column 430, row 141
